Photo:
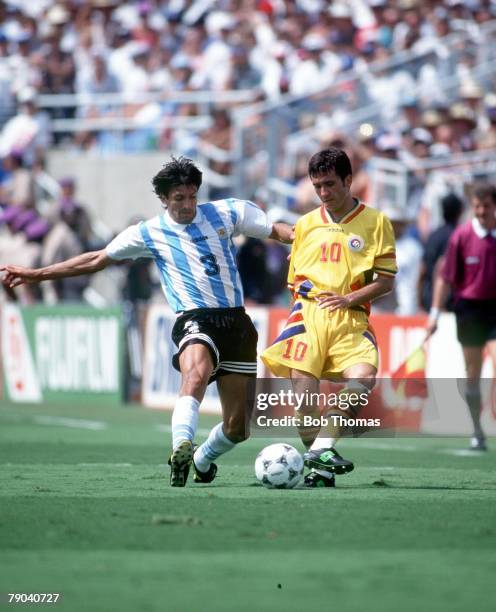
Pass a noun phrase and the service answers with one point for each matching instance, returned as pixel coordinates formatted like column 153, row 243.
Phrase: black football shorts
column 229, row 334
column 475, row 321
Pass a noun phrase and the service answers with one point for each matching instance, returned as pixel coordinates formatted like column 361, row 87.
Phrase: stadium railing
column 144, row 122
column 118, row 112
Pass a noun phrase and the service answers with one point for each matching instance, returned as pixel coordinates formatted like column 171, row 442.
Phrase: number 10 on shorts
column 298, row 352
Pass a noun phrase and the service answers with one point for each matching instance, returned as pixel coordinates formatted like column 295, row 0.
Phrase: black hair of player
column 481, row 191
column 452, row 207
column 179, row 171
column 327, row 160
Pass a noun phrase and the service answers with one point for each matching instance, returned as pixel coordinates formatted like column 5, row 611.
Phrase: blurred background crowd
column 250, row 89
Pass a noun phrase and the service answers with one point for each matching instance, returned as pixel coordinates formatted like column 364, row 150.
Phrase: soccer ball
column 279, row 466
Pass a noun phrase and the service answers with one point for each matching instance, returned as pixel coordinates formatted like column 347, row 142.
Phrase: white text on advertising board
column 77, row 353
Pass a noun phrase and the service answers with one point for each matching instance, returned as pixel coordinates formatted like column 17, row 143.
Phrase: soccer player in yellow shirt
column 342, row 258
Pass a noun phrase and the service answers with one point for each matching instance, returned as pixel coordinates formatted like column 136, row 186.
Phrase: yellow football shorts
column 321, row 342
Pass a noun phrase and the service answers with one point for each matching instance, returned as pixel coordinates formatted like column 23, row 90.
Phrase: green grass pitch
column 86, row 510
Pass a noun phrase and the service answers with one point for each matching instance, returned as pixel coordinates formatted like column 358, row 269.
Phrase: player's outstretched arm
column 86, row 263
column 282, row 232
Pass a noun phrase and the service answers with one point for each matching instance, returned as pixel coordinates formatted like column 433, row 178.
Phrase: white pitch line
column 104, row 464
column 355, row 444
column 101, row 425
column 464, row 452
column 382, row 446
column 68, row 422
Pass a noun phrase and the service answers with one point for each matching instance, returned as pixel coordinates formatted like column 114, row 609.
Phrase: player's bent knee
column 236, row 432
column 195, row 380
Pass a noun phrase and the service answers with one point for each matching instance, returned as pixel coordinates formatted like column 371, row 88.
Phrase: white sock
column 323, row 443
column 184, row 419
column 215, row 445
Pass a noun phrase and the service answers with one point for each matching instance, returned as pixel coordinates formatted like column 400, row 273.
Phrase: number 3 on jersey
column 211, row 267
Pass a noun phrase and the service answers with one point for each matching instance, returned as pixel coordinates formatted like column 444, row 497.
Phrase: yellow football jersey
column 340, row 257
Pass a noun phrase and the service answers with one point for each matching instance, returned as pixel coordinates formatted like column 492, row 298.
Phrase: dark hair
column 330, row 159
column 179, row 171
column 452, row 207
column 482, row 191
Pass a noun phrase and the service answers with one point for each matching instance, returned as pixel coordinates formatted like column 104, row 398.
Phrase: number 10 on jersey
column 330, row 252
column 297, row 352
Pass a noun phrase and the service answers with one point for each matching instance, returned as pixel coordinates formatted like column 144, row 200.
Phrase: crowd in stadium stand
column 153, row 45
column 270, row 46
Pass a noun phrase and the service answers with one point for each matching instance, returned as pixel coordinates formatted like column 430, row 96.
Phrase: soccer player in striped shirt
column 193, row 249
column 343, row 257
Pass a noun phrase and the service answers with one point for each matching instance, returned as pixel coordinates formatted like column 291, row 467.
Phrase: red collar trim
column 356, row 210
column 353, row 213
column 323, row 214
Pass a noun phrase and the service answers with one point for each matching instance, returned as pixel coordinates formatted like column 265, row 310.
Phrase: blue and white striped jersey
column 197, row 262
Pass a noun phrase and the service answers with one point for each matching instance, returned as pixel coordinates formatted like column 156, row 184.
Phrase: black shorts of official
column 229, row 334
column 475, row 321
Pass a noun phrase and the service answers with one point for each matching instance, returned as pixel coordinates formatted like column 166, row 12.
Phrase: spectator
column 98, row 80
column 17, row 188
column 69, row 236
column 214, row 71
column 219, row 135
column 138, row 285
column 308, row 74
column 252, row 266
column 26, row 71
column 119, row 53
column 487, row 140
column 15, row 245
column 59, row 71
column 28, row 131
column 388, row 145
column 243, row 75
column 403, row 299
column 437, row 241
column 409, row 115
column 137, row 79
column 462, row 120
column 73, row 213
column 138, row 282
column 263, row 271
column 7, row 99
column 275, row 74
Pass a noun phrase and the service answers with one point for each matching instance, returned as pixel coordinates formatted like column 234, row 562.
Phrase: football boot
column 314, row 480
column 180, row 462
column 327, row 459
